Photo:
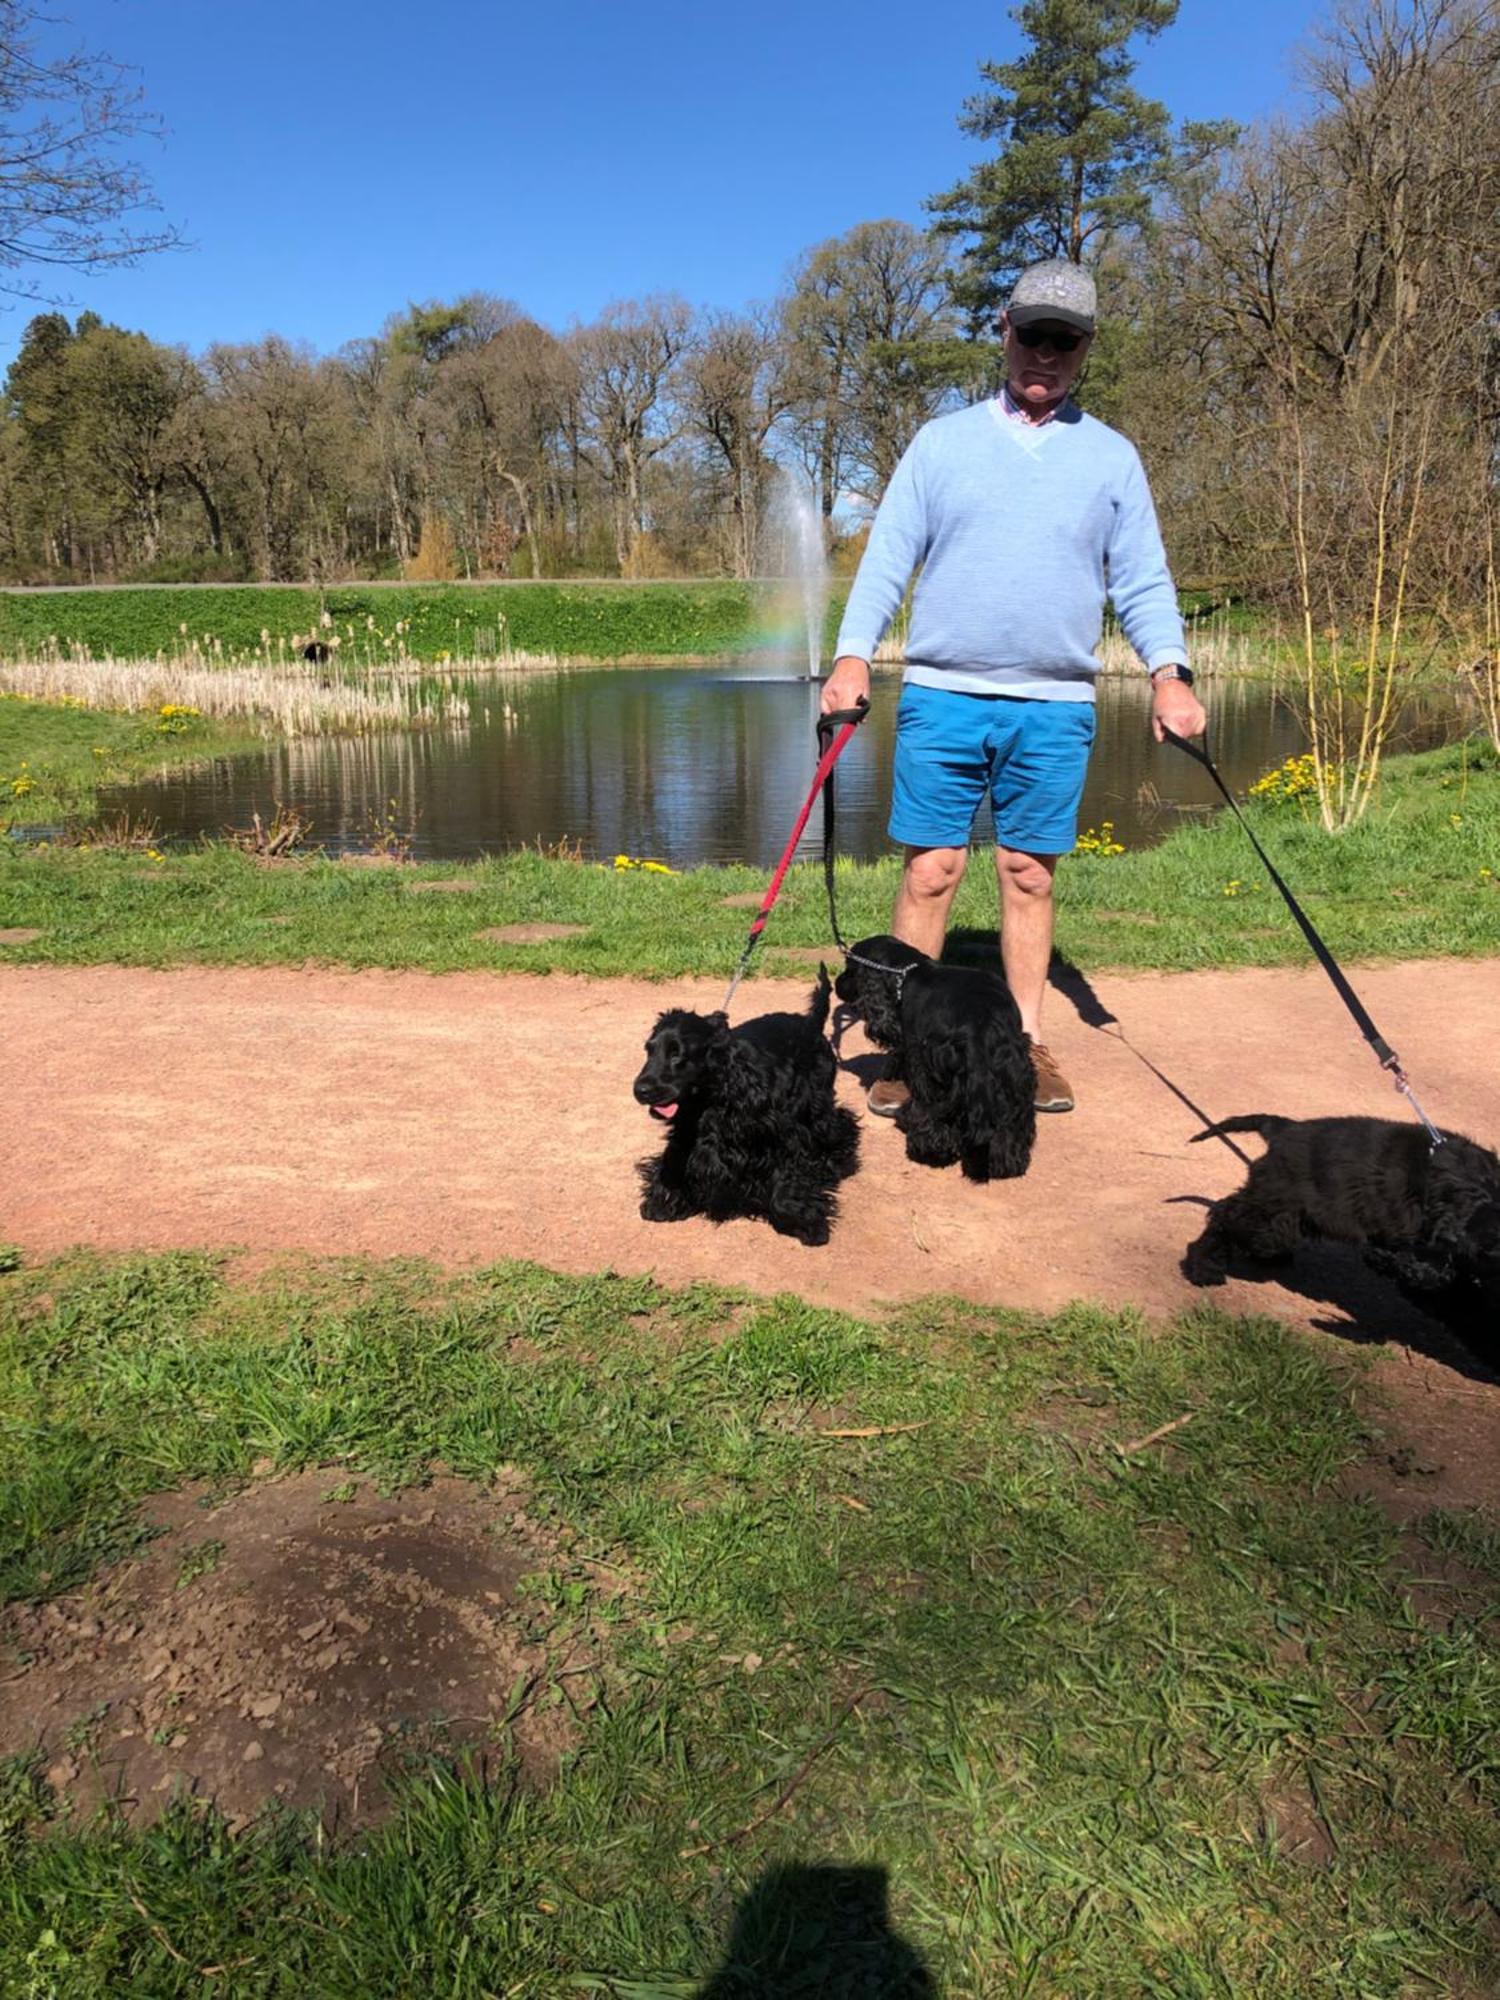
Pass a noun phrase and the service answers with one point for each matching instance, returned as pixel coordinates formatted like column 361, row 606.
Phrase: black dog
column 1428, row 1216
column 955, row 1038
column 754, row 1129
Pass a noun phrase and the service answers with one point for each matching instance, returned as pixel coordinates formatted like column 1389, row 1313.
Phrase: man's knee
column 933, row 873
column 1026, row 877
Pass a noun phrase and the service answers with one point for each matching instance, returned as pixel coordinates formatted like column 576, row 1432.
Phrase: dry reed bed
column 292, row 696
column 1213, row 646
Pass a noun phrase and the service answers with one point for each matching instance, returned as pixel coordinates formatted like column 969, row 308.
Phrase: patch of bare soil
column 478, row 1116
column 296, row 1642
column 1290, row 1814
column 529, row 933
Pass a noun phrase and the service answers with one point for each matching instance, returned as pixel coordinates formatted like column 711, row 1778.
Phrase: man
column 1024, row 513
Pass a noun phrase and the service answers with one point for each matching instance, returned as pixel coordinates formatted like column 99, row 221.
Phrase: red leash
column 850, row 719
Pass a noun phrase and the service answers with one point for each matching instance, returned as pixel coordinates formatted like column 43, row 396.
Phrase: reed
column 279, row 690
column 1218, row 645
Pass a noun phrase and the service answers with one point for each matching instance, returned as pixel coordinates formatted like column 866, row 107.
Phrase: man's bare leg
column 1026, row 915
column 1026, row 952
column 929, row 882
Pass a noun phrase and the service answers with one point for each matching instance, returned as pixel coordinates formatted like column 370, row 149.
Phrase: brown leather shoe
column 1053, row 1091
column 886, row 1097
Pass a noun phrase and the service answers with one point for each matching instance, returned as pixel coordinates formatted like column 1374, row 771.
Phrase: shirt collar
column 1011, row 408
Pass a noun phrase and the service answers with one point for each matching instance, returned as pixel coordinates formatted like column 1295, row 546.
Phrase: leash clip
column 1403, row 1085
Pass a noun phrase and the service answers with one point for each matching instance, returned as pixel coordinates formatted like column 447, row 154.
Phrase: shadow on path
column 819, row 1932
column 1331, row 1274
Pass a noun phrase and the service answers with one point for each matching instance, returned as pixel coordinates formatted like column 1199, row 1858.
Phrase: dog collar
column 896, row 972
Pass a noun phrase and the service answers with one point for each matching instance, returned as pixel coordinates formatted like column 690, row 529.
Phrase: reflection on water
column 687, row 764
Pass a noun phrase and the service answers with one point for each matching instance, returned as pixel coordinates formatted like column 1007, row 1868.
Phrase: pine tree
column 1080, row 153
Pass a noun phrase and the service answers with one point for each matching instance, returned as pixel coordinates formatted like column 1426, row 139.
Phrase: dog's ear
column 719, row 1045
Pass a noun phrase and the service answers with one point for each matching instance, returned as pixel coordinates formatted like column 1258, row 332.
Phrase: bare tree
column 874, row 349
column 736, row 386
column 627, row 365
column 501, row 400
column 69, row 193
column 276, row 413
column 1340, row 284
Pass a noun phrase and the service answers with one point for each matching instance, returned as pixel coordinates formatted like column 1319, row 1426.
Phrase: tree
column 627, row 368
column 735, row 388
column 36, row 393
column 498, row 402
column 1339, row 283
column 1080, row 154
column 873, row 352
column 125, row 397
column 275, row 411
column 67, row 196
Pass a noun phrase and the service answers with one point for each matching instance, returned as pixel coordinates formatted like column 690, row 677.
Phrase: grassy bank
column 55, row 755
column 1103, row 1716
column 601, row 621
column 434, row 623
column 1420, row 876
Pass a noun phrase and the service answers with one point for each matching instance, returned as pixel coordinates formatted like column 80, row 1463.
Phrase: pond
column 708, row 763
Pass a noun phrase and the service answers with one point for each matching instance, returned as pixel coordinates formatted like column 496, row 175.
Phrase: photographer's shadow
column 819, row 1932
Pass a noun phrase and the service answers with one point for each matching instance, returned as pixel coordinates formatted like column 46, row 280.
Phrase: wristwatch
column 1172, row 671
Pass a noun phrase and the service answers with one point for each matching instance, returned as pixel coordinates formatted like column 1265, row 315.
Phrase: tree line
column 1301, row 331
column 465, row 438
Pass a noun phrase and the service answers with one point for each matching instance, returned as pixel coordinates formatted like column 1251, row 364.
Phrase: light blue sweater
column 1021, row 531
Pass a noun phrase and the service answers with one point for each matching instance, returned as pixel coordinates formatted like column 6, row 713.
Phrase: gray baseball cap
column 1056, row 291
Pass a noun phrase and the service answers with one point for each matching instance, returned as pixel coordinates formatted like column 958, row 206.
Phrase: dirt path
column 471, row 1117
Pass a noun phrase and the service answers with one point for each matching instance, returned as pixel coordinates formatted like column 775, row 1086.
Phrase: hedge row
column 600, row 621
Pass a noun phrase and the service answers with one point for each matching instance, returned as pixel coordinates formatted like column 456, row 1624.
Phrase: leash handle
column 1384, row 1053
column 835, row 716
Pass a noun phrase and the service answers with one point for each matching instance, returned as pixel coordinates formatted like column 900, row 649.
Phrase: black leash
column 826, row 727
column 1384, row 1053
column 827, row 724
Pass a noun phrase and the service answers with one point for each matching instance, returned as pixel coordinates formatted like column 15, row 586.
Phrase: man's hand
column 1174, row 706
column 847, row 686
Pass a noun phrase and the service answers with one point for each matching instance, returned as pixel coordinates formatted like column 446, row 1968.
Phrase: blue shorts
column 1031, row 757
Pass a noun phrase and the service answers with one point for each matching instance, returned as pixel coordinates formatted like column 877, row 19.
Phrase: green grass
column 1166, row 1724
column 584, row 620
column 598, row 621
column 1409, row 881
column 54, row 755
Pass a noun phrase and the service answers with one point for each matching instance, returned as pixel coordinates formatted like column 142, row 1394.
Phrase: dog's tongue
column 666, row 1112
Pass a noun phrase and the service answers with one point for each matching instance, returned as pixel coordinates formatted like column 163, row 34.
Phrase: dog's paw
column 813, row 1234
column 810, row 1227
column 1205, row 1272
column 659, row 1204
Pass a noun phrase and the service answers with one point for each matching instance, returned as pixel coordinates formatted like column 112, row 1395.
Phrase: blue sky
column 331, row 160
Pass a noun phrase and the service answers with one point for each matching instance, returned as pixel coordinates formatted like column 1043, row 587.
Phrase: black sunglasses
column 1048, row 336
